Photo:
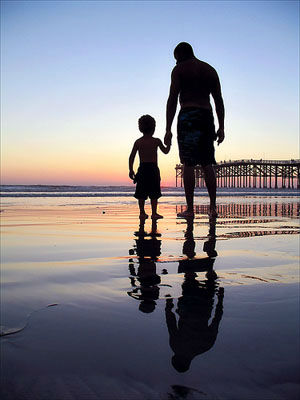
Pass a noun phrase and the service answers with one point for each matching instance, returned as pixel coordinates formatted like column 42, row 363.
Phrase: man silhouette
column 194, row 81
column 194, row 332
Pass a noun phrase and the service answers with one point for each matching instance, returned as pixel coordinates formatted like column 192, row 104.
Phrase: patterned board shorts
column 196, row 135
column 147, row 181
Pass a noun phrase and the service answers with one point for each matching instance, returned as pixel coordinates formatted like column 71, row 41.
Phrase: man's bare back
column 196, row 80
column 193, row 81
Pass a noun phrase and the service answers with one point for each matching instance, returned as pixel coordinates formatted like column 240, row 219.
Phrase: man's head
column 147, row 125
column 181, row 363
column 183, row 51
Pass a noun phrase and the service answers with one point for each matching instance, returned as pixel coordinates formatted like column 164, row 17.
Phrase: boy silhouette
column 147, row 178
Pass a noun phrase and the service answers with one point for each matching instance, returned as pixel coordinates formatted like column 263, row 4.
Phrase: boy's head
column 147, row 125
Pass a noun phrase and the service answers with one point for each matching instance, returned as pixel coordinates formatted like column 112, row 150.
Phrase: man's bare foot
column 143, row 216
column 156, row 216
column 186, row 214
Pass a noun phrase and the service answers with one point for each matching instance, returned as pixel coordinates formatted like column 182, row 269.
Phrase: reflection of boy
column 148, row 291
column 148, row 175
column 147, row 250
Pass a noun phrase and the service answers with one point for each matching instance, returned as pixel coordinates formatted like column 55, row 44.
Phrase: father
column 193, row 81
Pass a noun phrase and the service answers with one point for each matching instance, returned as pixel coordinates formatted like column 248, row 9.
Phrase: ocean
column 127, row 191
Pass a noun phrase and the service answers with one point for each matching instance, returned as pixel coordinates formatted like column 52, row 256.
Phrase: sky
column 77, row 75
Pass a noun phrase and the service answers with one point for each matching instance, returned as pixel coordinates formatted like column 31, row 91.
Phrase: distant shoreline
column 127, row 191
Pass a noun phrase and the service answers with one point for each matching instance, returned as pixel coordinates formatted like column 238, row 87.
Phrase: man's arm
column 172, row 104
column 220, row 110
column 131, row 160
column 170, row 317
column 214, row 326
column 164, row 149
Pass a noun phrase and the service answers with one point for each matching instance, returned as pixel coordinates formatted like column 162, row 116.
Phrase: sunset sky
column 77, row 75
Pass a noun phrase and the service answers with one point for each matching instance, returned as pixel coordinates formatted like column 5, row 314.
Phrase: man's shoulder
column 175, row 70
column 188, row 64
column 207, row 66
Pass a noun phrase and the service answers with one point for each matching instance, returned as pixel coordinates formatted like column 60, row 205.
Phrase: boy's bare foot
column 156, row 216
column 186, row 214
column 143, row 216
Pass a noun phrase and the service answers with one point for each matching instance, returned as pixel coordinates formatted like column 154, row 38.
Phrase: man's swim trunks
column 147, row 181
column 196, row 135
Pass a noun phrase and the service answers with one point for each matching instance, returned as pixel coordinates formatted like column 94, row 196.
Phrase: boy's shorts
column 147, row 181
column 196, row 135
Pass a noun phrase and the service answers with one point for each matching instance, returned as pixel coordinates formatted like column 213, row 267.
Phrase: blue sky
column 76, row 76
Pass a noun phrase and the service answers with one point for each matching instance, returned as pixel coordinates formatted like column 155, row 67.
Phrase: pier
column 284, row 174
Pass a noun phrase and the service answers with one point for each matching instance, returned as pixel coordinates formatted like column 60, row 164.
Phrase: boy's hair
column 183, row 51
column 147, row 124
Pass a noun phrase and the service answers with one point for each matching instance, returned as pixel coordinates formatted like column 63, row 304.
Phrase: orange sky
column 71, row 98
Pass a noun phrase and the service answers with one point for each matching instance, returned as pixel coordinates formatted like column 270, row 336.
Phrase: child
column 147, row 178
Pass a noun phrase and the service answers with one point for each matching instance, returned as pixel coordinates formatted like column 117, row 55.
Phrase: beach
column 97, row 304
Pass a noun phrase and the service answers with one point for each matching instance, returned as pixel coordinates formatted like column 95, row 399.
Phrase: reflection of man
column 192, row 334
column 148, row 249
column 194, row 81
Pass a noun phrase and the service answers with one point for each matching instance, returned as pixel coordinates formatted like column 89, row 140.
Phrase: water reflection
column 263, row 209
column 193, row 324
column 256, row 216
column 145, row 280
column 193, row 333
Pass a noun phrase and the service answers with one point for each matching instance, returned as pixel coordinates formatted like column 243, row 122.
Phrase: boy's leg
column 154, row 209
column 142, row 208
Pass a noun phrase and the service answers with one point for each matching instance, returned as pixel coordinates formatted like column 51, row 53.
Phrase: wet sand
column 106, row 307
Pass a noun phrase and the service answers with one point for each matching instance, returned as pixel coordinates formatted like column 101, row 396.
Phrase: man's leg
column 189, row 186
column 210, row 181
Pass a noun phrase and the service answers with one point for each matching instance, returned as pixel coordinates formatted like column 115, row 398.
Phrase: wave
column 126, row 191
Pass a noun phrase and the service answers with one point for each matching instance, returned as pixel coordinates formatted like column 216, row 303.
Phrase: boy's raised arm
column 131, row 160
column 164, row 149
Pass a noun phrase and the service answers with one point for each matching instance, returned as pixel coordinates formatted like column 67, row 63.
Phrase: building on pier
column 275, row 174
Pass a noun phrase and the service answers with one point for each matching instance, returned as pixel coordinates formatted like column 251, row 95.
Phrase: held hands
column 168, row 138
column 220, row 135
column 169, row 303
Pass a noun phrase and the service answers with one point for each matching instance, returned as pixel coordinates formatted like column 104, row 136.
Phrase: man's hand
column 168, row 138
column 220, row 135
column 131, row 175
